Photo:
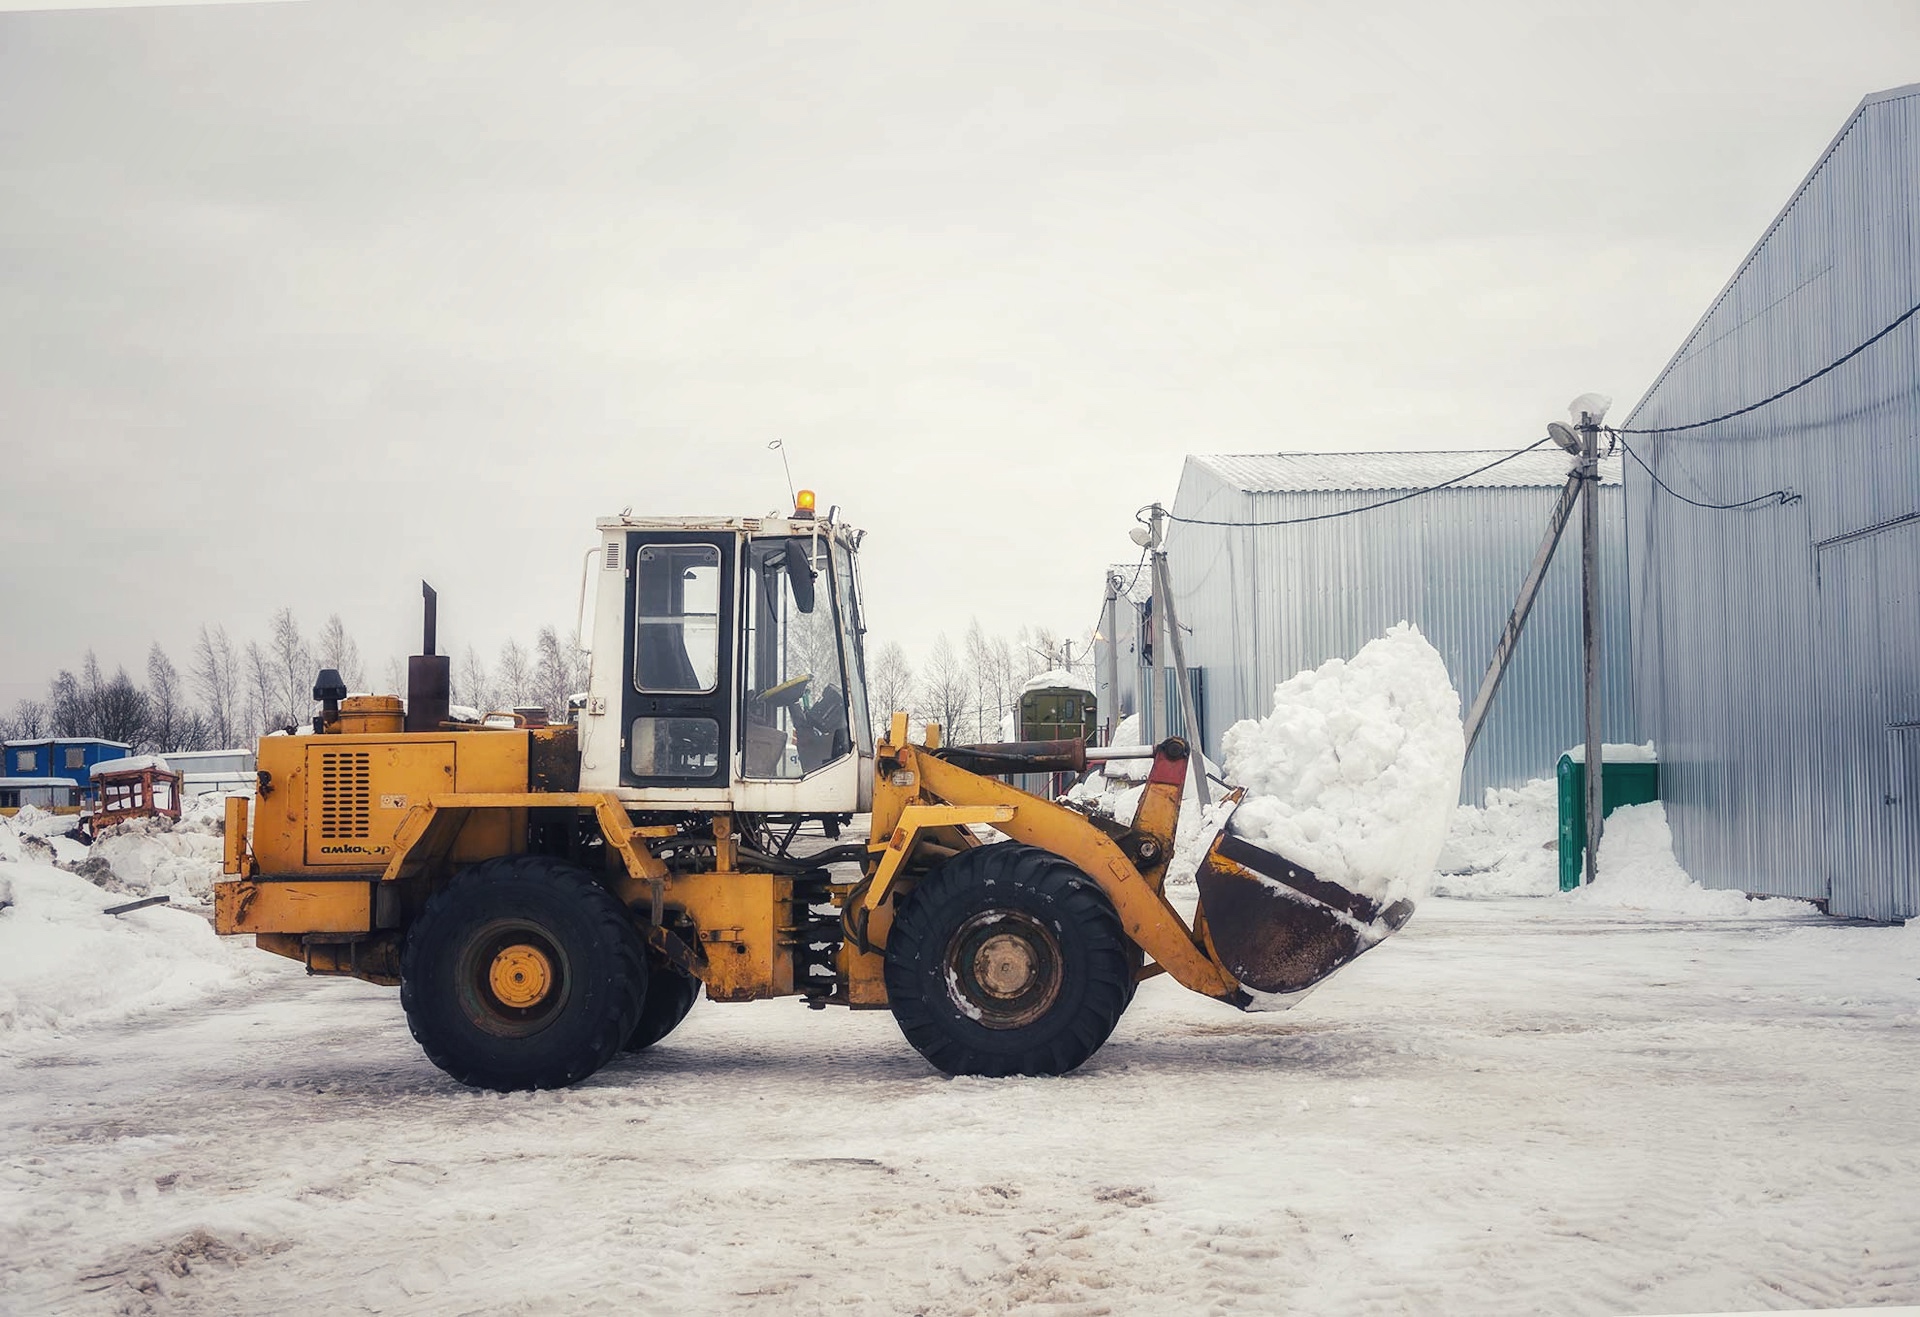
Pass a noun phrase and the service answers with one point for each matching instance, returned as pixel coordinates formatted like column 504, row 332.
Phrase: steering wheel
column 787, row 692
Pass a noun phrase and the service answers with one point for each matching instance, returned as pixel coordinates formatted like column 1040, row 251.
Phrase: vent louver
column 613, row 555
column 346, row 791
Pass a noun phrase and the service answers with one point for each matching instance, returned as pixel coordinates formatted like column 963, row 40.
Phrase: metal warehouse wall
column 1265, row 602
column 1778, row 650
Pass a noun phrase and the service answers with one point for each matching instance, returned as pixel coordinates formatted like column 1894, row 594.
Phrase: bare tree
column 120, row 709
column 552, row 672
column 396, row 677
column 515, row 675
column 579, row 665
column 263, row 691
column 67, row 711
column 992, row 681
column 78, row 702
column 215, row 673
column 335, row 649
column 293, row 668
column 890, row 686
column 28, row 722
column 944, row 687
column 472, row 683
column 168, row 713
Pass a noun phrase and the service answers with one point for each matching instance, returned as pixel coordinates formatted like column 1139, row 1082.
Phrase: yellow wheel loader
column 546, row 896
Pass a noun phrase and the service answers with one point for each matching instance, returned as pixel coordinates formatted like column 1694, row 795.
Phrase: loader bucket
column 1279, row 928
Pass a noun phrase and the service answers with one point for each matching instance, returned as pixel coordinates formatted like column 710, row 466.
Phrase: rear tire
column 1008, row 961
column 522, row 972
column 670, row 995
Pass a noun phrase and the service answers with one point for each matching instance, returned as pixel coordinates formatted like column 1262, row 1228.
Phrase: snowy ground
column 1512, row 1107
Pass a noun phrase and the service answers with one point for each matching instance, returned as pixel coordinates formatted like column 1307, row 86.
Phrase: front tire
column 1007, row 961
column 522, row 973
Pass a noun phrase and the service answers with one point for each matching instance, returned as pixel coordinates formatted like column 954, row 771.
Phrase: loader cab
column 727, row 667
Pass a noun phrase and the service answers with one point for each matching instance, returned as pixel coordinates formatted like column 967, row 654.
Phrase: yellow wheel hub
column 1004, row 965
column 521, row 976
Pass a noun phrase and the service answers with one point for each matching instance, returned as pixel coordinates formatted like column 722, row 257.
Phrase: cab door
column 676, row 716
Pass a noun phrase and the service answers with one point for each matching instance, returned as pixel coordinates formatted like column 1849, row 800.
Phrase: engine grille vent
column 346, row 790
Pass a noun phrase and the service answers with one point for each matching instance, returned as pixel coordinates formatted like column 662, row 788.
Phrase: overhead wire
column 1778, row 498
column 1827, row 369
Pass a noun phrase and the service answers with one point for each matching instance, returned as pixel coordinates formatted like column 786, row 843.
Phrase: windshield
column 853, row 627
column 795, row 716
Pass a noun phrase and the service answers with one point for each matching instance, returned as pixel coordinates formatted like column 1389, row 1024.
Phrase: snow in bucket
column 1355, row 772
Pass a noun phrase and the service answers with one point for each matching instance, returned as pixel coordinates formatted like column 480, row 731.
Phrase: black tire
column 562, row 950
column 1040, row 927
column 670, row 995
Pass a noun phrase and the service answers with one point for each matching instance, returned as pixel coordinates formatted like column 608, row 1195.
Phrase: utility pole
column 1167, row 618
column 1588, row 410
column 1113, row 653
column 1153, row 718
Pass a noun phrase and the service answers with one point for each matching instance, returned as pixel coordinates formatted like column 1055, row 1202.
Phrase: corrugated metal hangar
column 1777, row 647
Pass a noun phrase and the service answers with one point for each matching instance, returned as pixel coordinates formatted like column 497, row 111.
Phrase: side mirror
column 799, row 574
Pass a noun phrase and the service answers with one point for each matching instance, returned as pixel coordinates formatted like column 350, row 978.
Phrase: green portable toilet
column 1632, row 778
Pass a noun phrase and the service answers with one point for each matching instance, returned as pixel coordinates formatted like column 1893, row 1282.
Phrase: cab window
column 676, row 648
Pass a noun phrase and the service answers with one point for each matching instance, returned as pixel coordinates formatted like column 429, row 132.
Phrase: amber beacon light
column 803, row 503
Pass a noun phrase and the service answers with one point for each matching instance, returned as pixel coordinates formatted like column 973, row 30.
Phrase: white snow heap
column 1356, row 771
column 1638, row 871
column 1053, row 677
column 161, row 857
column 65, row 962
column 1508, row 846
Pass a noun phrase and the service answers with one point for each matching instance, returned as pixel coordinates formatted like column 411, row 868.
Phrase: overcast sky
column 302, row 302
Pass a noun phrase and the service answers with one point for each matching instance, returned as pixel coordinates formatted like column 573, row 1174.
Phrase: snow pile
column 1508, row 847
column 39, row 836
column 155, row 857
column 63, row 962
column 1355, row 772
column 32, row 821
column 1637, row 871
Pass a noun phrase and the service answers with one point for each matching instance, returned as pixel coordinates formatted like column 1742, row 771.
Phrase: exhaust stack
column 429, row 675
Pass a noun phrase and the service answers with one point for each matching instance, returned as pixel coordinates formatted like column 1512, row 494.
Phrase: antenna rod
column 780, row 447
